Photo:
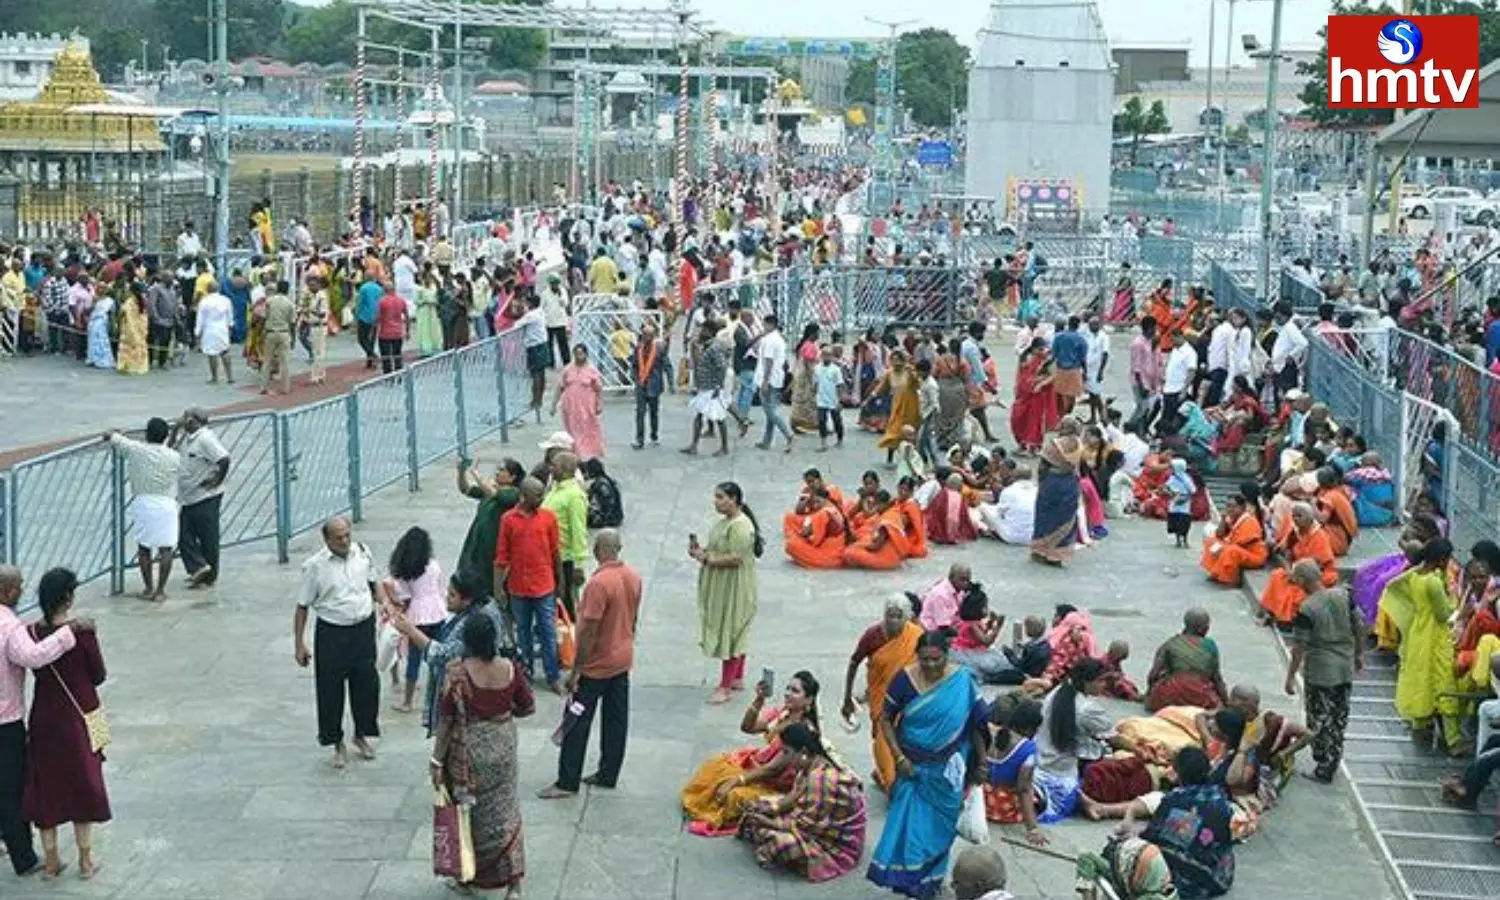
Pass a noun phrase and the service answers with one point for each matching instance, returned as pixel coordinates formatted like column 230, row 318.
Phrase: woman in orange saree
column 716, row 796
column 821, row 536
column 884, row 545
column 912, row 520
column 885, row 649
column 1308, row 540
column 1335, row 511
column 1239, row 544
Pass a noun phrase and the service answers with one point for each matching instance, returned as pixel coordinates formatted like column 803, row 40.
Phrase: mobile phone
column 768, row 678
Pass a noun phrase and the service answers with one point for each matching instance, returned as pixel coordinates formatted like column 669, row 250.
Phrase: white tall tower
column 1041, row 101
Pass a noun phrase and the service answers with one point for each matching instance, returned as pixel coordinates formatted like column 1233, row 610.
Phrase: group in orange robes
column 816, row 540
column 1281, row 599
column 883, row 545
column 1336, row 512
column 1239, row 544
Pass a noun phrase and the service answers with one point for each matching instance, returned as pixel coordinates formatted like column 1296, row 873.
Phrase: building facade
column 1041, row 95
column 26, row 62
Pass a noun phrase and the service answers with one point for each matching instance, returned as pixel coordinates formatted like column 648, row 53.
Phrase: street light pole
column 458, row 117
column 221, row 146
column 1268, row 152
column 1208, row 103
column 1223, row 119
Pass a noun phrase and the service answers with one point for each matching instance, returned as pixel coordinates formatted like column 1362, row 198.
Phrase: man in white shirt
column 188, row 243
column 1094, row 361
column 1133, row 448
column 555, row 314
column 533, row 327
column 338, row 586
column 404, row 273
column 1289, row 351
column 1241, row 347
column 770, row 377
column 200, row 491
column 153, row 469
column 1182, row 363
column 1220, row 342
column 1011, row 516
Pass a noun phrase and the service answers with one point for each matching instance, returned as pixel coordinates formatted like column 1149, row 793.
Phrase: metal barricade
column 320, row 478
column 435, row 414
column 67, row 508
column 248, row 510
column 610, row 334
column 1473, row 495
column 480, row 396
column 380, row 417
column 1304, row 297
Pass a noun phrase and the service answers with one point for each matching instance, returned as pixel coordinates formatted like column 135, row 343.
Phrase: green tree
column 326, row 34
column 1137, row 120
column 113, row 40
column 1314, row 94
column 932, row 71
column 255, row 27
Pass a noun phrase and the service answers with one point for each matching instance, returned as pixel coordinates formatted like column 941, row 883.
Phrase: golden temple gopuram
column 53, row 127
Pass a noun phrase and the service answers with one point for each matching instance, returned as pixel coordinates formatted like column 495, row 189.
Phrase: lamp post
column 1208, row 103
column 1268, row 152
column 1223, row 119
column 221, row 145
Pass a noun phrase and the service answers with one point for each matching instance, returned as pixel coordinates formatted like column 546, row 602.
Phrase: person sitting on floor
column 1029, row 659
column 1186, row 668
column 1374, row 492
column 883, row 546
column 979, row 874
column 1335, row 511
column 913, row 522
column 869, row 486
column 820, row 536
column 978, row 629
column 1239, row 543
column 1116, row 683
column 939, row 605
column 812, row 482
column 1011, row 517
column 1015, row 790
column 1070, row 639
column 1307, row 539
column 947, row 517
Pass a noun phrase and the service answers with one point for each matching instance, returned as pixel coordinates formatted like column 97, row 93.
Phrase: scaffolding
column 436, row 15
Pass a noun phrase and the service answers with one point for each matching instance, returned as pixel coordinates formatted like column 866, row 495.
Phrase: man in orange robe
column 1239, row 544
column 1308, row 540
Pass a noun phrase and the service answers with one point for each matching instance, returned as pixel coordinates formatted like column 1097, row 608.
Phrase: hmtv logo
column 1411, row 62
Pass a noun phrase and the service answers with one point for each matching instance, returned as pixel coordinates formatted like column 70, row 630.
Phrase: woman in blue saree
column 935, row 718
column 1055, row 527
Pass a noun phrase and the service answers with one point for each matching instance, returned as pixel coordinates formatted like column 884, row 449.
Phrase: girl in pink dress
column 580, row 394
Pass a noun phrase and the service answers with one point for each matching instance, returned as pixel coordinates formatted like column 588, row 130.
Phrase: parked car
column 1470, row 203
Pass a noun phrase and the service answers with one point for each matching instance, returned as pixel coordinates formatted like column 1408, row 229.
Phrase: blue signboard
column 935, row 153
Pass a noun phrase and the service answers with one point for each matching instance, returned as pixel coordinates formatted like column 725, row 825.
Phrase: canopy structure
column 1463, row 133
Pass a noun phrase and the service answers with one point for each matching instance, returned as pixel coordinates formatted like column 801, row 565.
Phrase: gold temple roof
column 45, row 123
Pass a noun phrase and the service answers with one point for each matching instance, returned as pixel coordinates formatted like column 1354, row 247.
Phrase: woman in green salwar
column 429, row 327
column 726, row 586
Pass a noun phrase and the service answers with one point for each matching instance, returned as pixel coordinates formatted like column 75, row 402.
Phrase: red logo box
column 1403, row 62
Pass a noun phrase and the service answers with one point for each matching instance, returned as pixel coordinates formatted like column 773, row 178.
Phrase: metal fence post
column 409, row 385
column 846, row 301
column 460, row 417
column 116, row 522
column 280, row 454
column 12, row 520
column 351, row 426
column 500, row 391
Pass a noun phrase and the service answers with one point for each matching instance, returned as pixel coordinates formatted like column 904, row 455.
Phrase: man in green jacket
column 570, row 504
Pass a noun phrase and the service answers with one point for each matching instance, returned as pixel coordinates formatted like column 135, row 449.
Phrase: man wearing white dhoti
column 153, row 469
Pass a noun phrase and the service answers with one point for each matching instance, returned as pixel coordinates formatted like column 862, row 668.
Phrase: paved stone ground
column 220, row 790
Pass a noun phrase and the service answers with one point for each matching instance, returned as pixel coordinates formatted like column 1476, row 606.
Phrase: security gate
column 1419, row 421
column 609, row 328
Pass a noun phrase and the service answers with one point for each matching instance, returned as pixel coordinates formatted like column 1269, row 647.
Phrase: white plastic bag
column 387, row 645
column 972, row 825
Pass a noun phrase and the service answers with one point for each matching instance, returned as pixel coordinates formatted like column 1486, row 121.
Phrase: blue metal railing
column 293, row 470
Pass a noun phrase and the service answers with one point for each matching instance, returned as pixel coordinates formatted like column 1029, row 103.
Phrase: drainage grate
column 1451, row 881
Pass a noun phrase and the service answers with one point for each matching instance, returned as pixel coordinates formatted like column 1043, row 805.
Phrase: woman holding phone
column 726, row 586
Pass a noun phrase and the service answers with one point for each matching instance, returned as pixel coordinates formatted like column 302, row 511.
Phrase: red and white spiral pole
column 358, row 170
column 434, row 91
column 400, row 129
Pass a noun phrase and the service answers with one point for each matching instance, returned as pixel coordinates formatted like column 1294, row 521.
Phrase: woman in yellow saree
column 1418, row 604
column 720, row 791
column 885, row 649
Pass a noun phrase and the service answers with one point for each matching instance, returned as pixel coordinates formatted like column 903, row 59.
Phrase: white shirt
column 201, row 452
column 1182, row 362
column 1290, row 346
column 188, row 244
column 1098, row 342
column 215, row 316
column 405, row 273
column 1218, row 346
column 151, row 468
column 533, row 327
column 1135, row 450
column 337, row 589
column 770, row 350
column 1015, row 512
column 555, row 306
column 1241, row 347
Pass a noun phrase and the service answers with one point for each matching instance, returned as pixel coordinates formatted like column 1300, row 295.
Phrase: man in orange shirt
column 607, row 616
column 527, row 563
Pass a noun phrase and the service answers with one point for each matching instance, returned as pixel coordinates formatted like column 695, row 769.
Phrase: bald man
column 338, row 588
column 1328, row 639
column 940, row 603
column 979, row 874
column 20, row 653
column 607, row 615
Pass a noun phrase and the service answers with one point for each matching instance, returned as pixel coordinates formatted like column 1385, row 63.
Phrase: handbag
column 567, row 642
column 94, row 721
column 387, row 646
column 972, row 825
column 452, row 839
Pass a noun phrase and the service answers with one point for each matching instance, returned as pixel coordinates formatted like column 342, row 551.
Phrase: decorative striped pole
column 773, row 105
column 400, row 129
column 358, row 170
column 434, row 91
column 680, row 183
column 576, row 140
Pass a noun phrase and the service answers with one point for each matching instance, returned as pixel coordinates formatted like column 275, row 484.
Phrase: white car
column 1470, row 203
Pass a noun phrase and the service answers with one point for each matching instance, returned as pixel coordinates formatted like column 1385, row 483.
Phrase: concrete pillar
column 267, row 188
column 304, row 194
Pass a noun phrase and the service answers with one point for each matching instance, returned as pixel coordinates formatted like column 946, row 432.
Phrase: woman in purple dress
column 1371, row 578
column 64, row 775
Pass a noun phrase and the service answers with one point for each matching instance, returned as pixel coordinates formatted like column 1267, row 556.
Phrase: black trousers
column 14, row 830
column 1168, row 423
column 613, row 695
column 646, row 406
column 198, row 536
column 159, row 339
column 571, row 581
column 1217, row 379
column 345, row 655
column 390, row 355
column 365, row 332
column 1476, row 775
column 831, row 419
column 559, row 338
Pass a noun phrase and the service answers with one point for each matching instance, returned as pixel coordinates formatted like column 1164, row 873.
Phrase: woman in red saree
column 1034, row 412
column 1071, row 639
column 1479, row 604
column 885, row 648
column 1241, row 415
column 884, row 547
column 1122, row 309
column 947, row 516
